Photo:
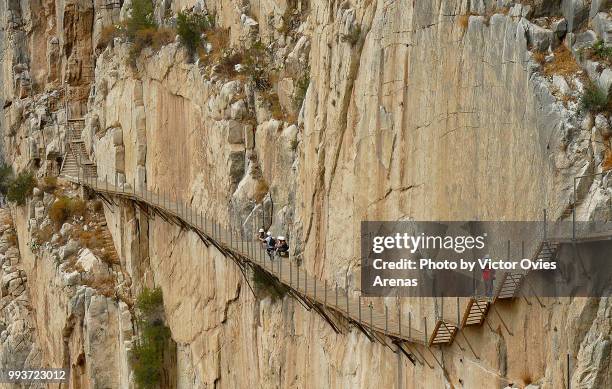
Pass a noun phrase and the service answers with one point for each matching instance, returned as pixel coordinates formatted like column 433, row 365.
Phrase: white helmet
column 269, row 233
column 281, row 238
column 261, row 230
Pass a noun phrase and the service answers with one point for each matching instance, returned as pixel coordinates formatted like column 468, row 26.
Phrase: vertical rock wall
column 412, row 110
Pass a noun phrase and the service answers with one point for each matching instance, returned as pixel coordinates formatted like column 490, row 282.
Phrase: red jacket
column 487, row 274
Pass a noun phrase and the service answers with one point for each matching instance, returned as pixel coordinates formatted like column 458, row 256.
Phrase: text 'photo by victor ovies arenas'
column 405, row 194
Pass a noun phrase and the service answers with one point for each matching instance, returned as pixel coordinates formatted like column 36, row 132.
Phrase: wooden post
column 425, row 334
column 290, row 273
column 359, row 301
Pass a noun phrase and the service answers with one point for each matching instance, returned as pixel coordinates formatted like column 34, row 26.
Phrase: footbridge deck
column 381, row 325
column 336, row 305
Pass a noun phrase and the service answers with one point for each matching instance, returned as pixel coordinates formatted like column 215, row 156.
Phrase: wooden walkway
column 336, row 305
column 384, row 325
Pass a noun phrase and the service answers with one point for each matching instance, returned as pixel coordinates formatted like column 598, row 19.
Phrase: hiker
column 282, row 248
column 263, row 238
column 488, row 275
column 261, row 235
column 270, row 244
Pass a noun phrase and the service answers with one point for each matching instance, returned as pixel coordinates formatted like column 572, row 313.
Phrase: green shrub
column 64, row 208
column 6, row 175
column 601, row 51
column 301, row 87
column 190, row 27
column 148, row 354
column 141, row 18
column 594, row 99
column 142, row 30
column 147, row 362
column 21, row 188
column 150, row 300
column 258, row 64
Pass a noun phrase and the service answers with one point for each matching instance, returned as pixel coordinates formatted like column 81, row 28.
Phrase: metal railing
column 374, row 319
column 241, row 241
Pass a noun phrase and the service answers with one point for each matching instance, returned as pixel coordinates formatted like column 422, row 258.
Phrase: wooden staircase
column 475, row 311
column 511, row 282
column 76, row 153
column 509, row 286
column 547, row 251
column 444, row 333
column 108, row 246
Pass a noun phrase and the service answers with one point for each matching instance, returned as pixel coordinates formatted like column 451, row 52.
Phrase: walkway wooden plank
column 284, row 269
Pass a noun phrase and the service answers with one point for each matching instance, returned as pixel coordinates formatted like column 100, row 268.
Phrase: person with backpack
column 270, row 243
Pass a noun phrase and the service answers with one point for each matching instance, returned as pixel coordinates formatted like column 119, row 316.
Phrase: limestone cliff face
column 406, row 110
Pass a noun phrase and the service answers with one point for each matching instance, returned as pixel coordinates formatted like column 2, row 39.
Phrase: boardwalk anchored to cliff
column 320, row 295
column 336, row 305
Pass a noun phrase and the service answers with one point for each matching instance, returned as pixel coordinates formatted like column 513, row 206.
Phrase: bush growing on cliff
column 142, row 30
column 21, row 188
column 258, row 65
column 151, row 37
column 301, row 87
column 190, row 27
column 6, row 174
column 141, row 18
column 49, row 184
column 148, row 354
column 64, row 208
column 149, row 300
column 594, row 99
column 601, row 51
